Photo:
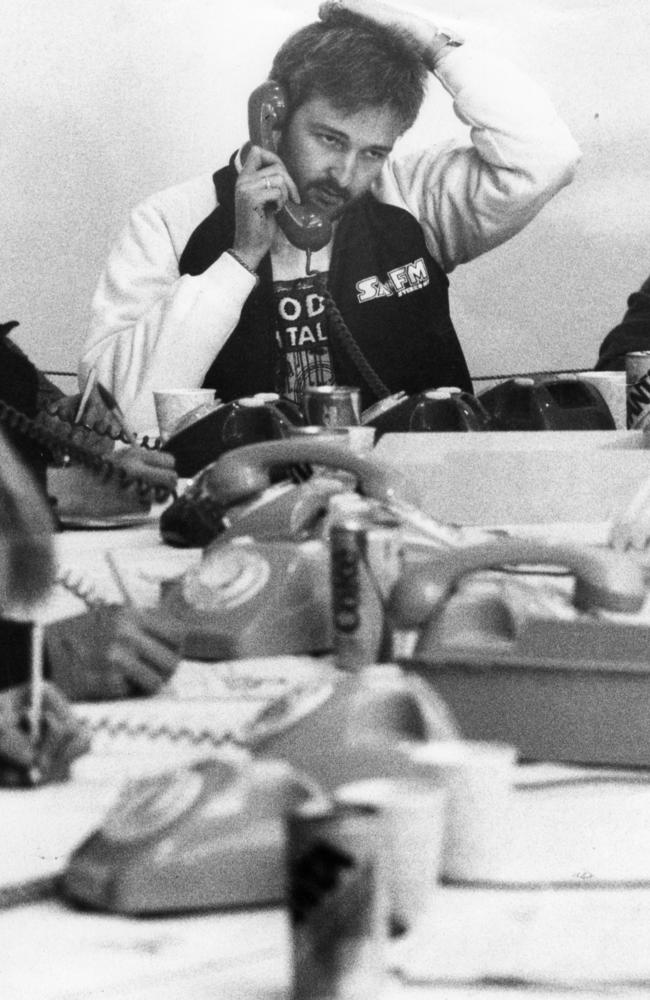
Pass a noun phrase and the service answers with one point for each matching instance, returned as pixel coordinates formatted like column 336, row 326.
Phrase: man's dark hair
column 353, row 64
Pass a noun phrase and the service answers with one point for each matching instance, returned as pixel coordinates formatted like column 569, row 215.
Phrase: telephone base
column 203, row 837
column 566, row 691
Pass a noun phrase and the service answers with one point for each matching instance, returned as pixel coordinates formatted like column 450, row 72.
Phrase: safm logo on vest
column 400, row 281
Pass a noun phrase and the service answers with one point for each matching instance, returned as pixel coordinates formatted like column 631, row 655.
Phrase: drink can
column 332, row 405
column 337, row 435
column 365, row 560
column 337, row 901
column 637, row 368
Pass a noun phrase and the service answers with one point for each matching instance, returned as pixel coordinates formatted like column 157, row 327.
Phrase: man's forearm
column 471, row 198
column 152, row 329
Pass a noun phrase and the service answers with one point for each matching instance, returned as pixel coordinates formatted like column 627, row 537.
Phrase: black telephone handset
column 240, row 492
column 604, row 580
column 302, row 224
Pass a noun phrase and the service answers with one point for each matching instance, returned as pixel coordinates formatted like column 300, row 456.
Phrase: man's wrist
column 244, row 261
column 440, row 45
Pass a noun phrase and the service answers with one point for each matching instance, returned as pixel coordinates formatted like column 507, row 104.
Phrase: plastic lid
column 438, row 394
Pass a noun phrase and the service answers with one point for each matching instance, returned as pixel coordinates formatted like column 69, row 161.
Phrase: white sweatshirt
column 153, row 329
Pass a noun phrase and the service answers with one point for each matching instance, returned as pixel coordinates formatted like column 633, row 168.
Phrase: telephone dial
column 251, row 598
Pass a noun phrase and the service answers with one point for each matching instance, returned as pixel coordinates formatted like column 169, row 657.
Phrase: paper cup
column 413, row 819
column 172, row 404
column 612, row 387
column 361, row 439
column 478, row 778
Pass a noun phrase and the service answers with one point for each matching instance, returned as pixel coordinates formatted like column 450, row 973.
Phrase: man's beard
column 328, row 197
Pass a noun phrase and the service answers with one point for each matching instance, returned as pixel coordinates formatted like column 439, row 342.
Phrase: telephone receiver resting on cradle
column 605, row 580
column 237, row 492
column 569, row 688
column 302, row 224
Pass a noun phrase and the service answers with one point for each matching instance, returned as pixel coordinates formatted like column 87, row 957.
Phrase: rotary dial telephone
column 250, row 491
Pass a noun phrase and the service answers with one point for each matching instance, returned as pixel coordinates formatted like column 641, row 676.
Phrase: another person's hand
column 113, row 652
column 63, row 737
column 263, row 187
column 156, row 467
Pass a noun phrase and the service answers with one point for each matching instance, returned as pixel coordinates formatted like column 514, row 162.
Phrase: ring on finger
column 267, row 183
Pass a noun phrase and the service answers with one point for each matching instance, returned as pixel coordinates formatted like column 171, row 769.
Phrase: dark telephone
column 230, row 425
column 302, row 224
column 237, row 493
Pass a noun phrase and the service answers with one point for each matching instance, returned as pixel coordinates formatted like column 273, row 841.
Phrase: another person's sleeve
column 631, row 334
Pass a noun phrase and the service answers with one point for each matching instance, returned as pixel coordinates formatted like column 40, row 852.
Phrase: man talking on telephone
column 215, row 282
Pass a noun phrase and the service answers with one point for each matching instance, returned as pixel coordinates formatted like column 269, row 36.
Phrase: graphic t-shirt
column 302, row 335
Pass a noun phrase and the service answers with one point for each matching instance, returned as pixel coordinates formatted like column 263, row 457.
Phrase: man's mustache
column 333, row 190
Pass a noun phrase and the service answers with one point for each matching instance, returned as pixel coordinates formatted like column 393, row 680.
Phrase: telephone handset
column 302, row 224
column 238, row 493
column 604, row 580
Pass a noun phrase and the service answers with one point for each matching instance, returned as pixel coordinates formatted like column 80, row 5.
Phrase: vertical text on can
column 332, row 405
column 337, row 901
column 358, row 619
column 637, row 369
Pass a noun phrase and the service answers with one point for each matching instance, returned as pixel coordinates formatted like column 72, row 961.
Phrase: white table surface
column 573, row 836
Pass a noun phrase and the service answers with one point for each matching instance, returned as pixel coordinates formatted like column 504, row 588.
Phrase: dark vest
column 408, row 338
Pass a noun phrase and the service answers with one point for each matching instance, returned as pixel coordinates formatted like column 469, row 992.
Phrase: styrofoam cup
column 413, row 817
column 172, row 404
column 478, row 778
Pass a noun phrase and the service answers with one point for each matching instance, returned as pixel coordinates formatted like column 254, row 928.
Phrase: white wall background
column 105, row 101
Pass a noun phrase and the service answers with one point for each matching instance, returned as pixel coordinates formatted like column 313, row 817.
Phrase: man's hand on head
column 263, row 187
column 420, row 32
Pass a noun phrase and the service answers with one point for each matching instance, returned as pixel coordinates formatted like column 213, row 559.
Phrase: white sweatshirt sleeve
column 470, row 198
column 150, row 328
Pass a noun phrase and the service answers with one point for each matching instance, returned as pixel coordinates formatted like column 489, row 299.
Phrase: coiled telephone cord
column 342, row 333
column 62, row 444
